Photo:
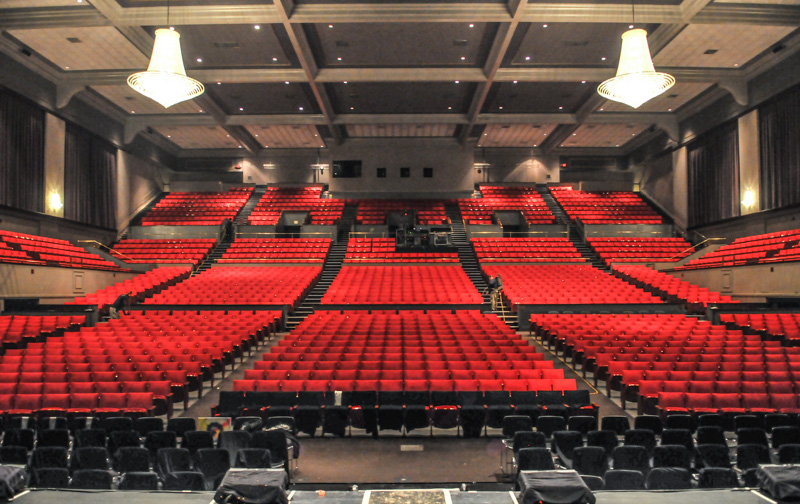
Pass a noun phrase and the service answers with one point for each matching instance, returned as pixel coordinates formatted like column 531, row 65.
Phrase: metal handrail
column 111, row 251
column 694, row 247
column 512, row 233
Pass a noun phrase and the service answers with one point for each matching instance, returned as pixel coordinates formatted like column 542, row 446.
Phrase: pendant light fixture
column 636, row 81
column 165, row 80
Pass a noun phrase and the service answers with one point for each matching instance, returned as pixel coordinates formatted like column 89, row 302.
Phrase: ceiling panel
column 515, row 135
column 719, row 45
column 400, row 98
column 537, row 97
column 401, row 44
column 670, row 101
column 198, row 137
column 400, row 130
column 239, row 46
column 93, row 48
column 287, row 137
column 604, row 135
column 134, row 103
column 264, row 98
column 567, row 44
column 16, row 4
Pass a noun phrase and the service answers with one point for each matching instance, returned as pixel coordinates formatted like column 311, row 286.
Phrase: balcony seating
column 139, row 286
column 197, row 208
column 631, row 250
column 277, row 250
column 246, row 285
column 382, row 250
column 524, row 199
column 39, row 250
column 524, row 250
column 15, row 328
column 785, row 325
column 373, row 211
column 621, row 207
column 780, row 246
column 326, row 212
column 179, row 251
column 668, row 285
column 402, row 285
column 565, row 284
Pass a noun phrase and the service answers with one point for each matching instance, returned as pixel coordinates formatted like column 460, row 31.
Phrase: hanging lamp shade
column 165, row 80
column 636, row 81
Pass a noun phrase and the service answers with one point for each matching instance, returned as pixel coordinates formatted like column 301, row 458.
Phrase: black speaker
column 253, row 486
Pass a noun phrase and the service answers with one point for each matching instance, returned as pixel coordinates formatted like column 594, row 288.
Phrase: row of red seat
column 647, row 390
column 197, row 208
column 565, row 284
column 398, row 385
column 278, row 199
column 618, row 207
column 94, row 404
column 668, row 285
column 496, row 198
column 243, row 285
column 138, row 287
column 13, row 328
column 732, row 404
column 786, row 325
column 774, row 247
column 383, row 250
column 373, row 211
column 402, row 285
column 31, row 249
column 171, row 251
column 277, row 250
column 526, row 250
column 640, row 249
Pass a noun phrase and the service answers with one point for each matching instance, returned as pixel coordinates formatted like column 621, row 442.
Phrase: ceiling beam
column 401, row 119
column 497, row 53
column 717, row 13
column 309, row 65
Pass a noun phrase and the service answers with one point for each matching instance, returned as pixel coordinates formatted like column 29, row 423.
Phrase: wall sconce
column 749, row 199
column 54, row 201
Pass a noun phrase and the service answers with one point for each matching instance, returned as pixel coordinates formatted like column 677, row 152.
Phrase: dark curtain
column 714, row 176
column 21, row 153
column 90, row 167
column 779, row 138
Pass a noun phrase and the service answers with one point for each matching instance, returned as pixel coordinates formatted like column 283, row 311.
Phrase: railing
column 694, row 248
column 518, row 234
column 283, row 234
column 101, row 246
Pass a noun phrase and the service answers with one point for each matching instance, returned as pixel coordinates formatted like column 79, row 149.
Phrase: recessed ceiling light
column 200, row 110
column 199, row 60
column 132, row 112
column 515, row 82
column 240, row 146
column 330, row 26
column 534, row 145
column 560, row 108
column 257, row 27
column 315, row 134
column 287, row 82
column 544, row 26
column 458, row 82
column 169, row 136
column 583, row 82
column 256, row 136
column 300, row 108
column 66, row 68
column 463, row 58
column 601, row 109
column 545, row 134
column 486, row 134
column 219, row 83
column 527, row 58
column 274, row 59
column 228, row 136
column 669, row 110
column 616, row 145
column 339, row 59
column 449, row 108
column 241, row 109
column 736, row 64
column 80, row 1
column 630, row 26
column 345, row 82
column 501, row 108
column 603, row 58
column 172, row 28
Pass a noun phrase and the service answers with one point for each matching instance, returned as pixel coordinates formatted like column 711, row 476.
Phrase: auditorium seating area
column 675, row 289
column 525, row 199
column 138, row 287
column 15, row 329
column 197, row 208
column 555, row 284
column 524, row 250
column 40, row 250
column 172, row 251
column 405, row 285
column 783, row 325
column 277, row 250
column 373, row 211
column 632, row 250
column 780, row 246
column 246, row 285
column 620, row 207
column 382, row 250
column 126, row 366
column 325, row 212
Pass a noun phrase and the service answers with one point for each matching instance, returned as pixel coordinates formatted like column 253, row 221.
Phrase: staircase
column 137, row 220
column 333, row 263
column 212, row 257
column 561, row 217
column 247, row 209
column 584, row 249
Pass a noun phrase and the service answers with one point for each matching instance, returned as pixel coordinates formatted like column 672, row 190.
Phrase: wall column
column 749, row 164
column 54, row 138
